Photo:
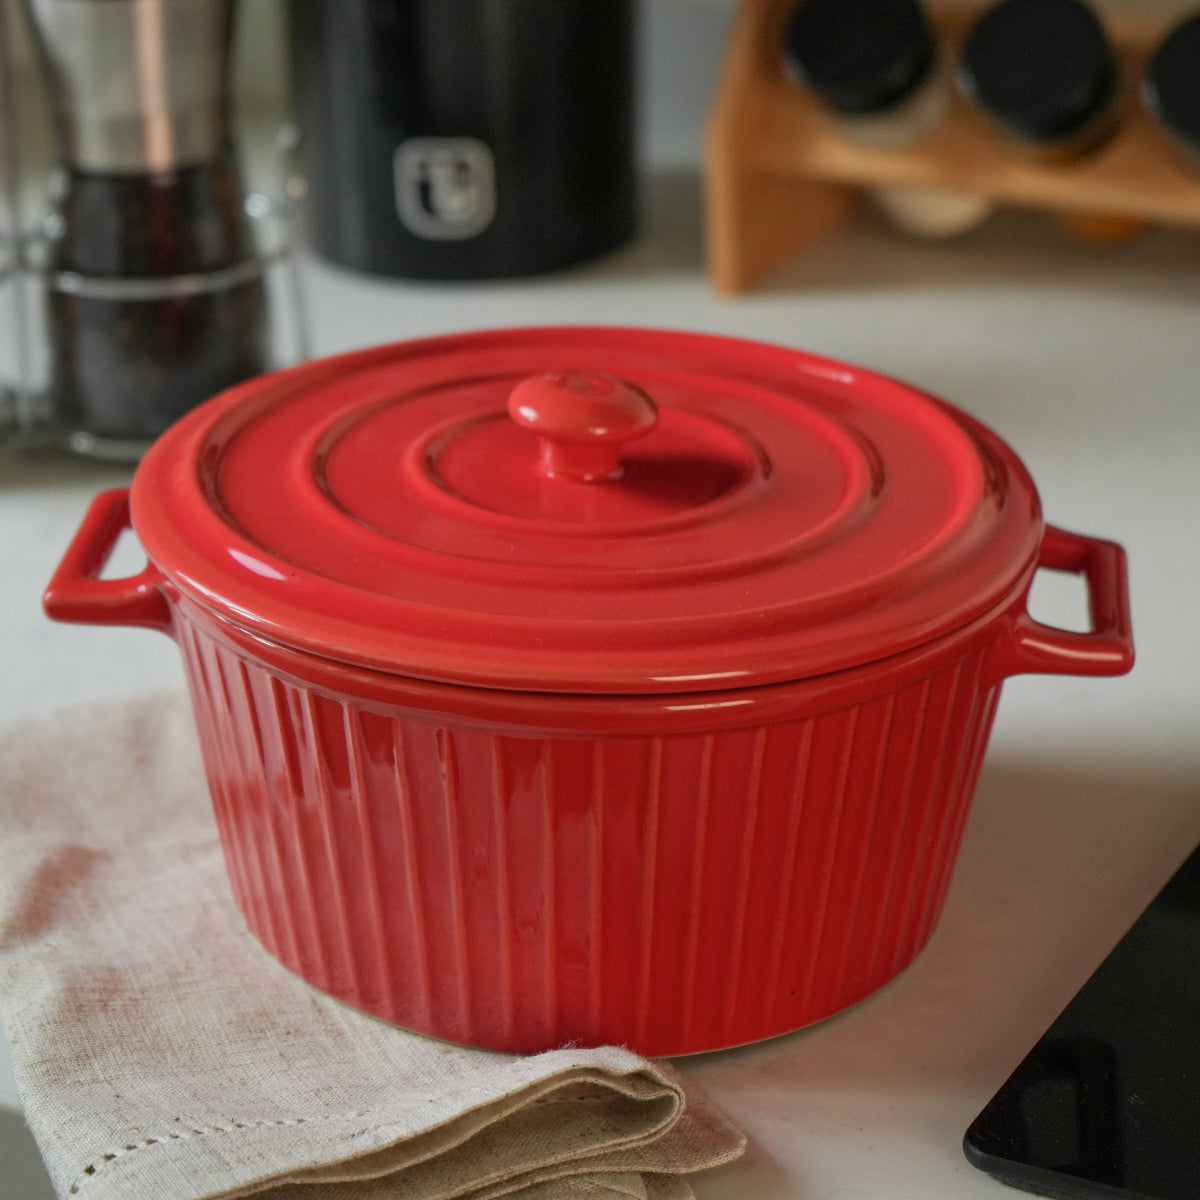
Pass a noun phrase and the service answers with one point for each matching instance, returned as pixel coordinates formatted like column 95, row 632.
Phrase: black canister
column 466, row 139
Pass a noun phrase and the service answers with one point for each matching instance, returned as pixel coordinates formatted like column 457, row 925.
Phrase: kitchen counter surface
column 1087, row 362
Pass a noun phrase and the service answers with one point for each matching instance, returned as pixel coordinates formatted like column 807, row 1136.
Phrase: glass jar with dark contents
column 874, row 64
column 877, row 69
column 1044, row 71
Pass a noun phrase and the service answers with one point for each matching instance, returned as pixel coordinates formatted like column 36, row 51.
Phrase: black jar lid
column 1171, row 87
column 1042, row 68
column 859, row 56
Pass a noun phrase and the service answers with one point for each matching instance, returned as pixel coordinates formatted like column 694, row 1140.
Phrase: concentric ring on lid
column 781, row 517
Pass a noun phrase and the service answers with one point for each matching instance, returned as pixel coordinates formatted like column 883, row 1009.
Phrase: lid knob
column 582, row 420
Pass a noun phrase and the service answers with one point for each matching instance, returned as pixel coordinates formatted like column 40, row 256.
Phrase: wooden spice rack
column 779, row 173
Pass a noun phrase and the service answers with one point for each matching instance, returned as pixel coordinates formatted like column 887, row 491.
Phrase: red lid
column 588, row 510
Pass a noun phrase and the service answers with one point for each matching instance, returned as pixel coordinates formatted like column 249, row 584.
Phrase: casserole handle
column 1030, row 648
column 76, row 594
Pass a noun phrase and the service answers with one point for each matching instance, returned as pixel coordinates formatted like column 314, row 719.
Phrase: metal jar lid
column 1043, row 69
column 859, row 56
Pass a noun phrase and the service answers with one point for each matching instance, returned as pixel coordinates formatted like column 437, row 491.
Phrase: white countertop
column 1088, row 363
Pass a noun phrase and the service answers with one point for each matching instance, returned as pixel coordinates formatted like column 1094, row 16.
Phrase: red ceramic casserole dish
column 591, row 685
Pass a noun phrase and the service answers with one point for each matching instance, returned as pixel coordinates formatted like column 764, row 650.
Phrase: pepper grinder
column 155, row 296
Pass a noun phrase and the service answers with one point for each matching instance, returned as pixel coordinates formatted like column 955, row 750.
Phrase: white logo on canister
column 445, row 187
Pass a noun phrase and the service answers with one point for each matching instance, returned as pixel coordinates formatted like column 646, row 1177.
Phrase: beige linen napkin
column 161, row 1054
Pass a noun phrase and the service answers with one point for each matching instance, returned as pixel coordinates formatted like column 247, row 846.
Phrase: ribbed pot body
column 711, row 878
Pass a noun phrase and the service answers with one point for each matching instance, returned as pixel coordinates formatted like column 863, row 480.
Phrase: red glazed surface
column 517, row 887
column 672, row 870
column 783, row 517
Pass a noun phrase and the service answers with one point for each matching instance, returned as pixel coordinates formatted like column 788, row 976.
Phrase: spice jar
column 1045, row 73
column 154, row 294
column 875, row 66
column 1043, row 70
column 874, row 63
column 1171, row 87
